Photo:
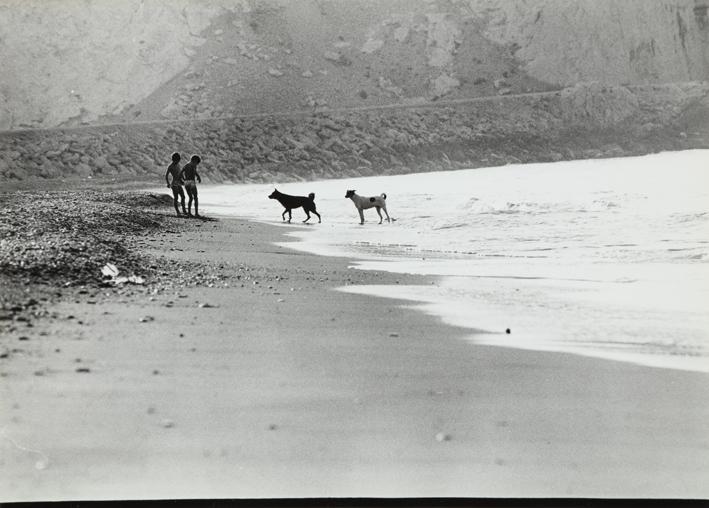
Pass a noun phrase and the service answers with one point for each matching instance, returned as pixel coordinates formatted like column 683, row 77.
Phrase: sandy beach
column 238, row 372
column 529, row 320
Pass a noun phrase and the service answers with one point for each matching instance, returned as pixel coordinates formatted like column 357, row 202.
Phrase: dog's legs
column 290, row 216
column 314, row 210
column 308, row 216
column 387, row 213
column 379, row 211
column 361, row 216
column 284, row 214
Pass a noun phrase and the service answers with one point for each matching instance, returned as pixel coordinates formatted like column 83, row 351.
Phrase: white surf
column 606, row 258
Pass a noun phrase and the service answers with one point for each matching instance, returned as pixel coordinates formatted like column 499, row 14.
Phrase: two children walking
column 188, row 177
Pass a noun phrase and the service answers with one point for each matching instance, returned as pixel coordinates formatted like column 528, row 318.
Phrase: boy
column 176, row 186
column 188, row 175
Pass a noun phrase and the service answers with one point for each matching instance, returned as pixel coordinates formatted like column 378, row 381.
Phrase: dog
column 362, row 203
column 291, row 202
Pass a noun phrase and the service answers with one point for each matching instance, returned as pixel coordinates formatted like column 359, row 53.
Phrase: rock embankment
column 585, row 121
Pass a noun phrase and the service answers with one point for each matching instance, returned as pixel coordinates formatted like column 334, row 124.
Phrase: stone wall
column 581, row 122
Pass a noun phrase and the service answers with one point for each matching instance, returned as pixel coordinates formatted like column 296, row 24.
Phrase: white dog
column 362, row 203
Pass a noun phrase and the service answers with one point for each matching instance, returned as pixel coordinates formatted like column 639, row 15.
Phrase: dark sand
column 286, row 388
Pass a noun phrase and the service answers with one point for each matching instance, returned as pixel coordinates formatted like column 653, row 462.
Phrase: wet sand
column 270, row 384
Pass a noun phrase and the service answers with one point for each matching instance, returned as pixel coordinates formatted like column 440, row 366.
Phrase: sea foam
column 604, row 258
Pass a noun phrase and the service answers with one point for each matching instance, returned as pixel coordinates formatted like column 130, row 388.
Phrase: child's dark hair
column 176, row 157
column 196, row 159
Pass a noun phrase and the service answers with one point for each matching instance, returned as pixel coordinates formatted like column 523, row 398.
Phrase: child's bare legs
column 192, row 193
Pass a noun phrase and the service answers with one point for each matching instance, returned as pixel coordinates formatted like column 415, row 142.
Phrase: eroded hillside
column 72, row 62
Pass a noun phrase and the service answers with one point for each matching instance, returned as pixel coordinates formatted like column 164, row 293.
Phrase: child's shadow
column 200, row 218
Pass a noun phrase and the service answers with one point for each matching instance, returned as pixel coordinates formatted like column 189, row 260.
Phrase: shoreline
column 271, row 384
column 670, row 335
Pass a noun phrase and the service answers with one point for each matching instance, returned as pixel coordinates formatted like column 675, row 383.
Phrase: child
column 188, row 175
column 176, row 185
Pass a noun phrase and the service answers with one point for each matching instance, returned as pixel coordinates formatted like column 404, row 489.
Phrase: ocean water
column 605, row 258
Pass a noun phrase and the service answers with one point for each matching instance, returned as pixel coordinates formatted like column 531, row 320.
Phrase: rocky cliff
column 73, row 62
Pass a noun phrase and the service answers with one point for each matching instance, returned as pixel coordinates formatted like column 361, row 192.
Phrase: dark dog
column 291, row 202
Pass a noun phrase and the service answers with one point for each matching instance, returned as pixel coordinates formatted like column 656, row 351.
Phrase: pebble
column 83, row 370
column 167, row 423
column 393, row 334
column 442, row 436
column 147, row 319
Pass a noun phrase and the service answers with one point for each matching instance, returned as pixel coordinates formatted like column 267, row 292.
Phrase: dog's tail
column 311, row 196
column 384, row 196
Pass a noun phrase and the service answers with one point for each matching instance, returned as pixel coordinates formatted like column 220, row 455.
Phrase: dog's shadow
column 297, row 224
